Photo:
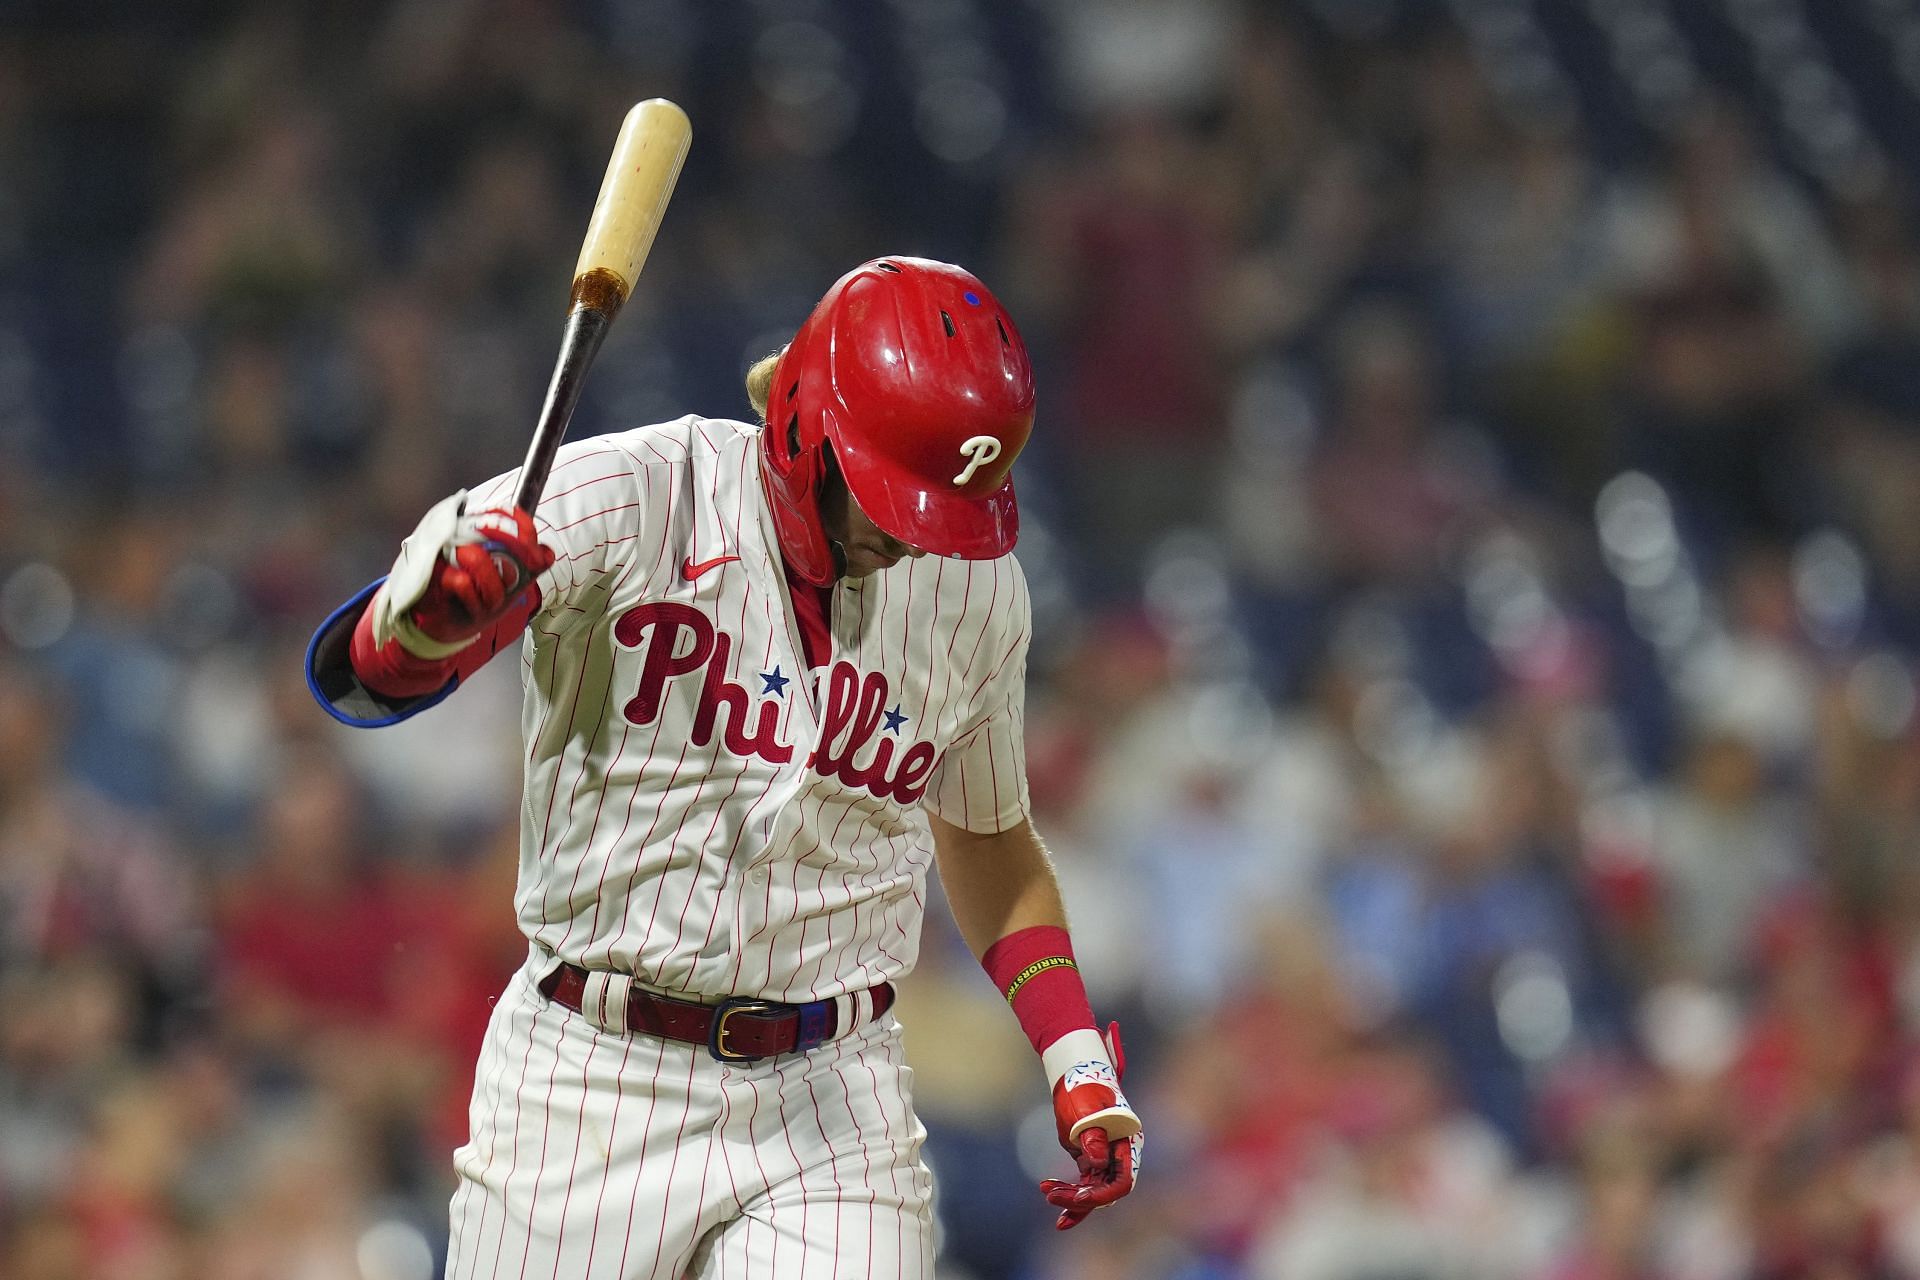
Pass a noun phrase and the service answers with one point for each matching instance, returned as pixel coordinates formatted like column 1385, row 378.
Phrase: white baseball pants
column 595, row 1156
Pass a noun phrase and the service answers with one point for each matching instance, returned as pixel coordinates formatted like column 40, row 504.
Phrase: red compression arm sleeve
column 392, row 672
column 1036, row 973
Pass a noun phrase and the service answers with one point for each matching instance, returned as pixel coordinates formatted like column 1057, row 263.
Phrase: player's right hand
column 495, row 556
column 456, row 575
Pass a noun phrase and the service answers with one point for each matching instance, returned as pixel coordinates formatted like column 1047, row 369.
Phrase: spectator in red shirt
column 310, row 934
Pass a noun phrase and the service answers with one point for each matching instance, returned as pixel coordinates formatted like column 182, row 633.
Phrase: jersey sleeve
column 591, row 517
column 980, row 783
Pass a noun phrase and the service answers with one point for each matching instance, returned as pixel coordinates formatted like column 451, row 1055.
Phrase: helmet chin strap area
column 839, row 559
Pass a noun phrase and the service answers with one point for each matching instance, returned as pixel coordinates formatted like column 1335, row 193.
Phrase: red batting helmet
column 913, row 374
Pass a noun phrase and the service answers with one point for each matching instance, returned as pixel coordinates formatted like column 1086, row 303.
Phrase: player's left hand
column 1100, row 1130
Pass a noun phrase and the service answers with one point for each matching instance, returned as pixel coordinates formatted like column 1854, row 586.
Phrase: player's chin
column 862, row 563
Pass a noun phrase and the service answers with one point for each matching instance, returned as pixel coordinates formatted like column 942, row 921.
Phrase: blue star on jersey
column 775, row 683
column 895, row 720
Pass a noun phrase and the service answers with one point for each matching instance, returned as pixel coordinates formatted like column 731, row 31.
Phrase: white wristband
column 1075, row 1049
column 423, row 646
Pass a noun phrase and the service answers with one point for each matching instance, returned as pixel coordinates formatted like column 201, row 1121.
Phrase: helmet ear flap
column 793, row 418
column 793, row 464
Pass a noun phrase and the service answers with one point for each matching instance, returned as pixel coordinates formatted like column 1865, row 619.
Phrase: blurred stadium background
column 1473, row 516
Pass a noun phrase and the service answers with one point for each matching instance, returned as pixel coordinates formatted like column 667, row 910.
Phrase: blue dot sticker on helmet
column 973, row 299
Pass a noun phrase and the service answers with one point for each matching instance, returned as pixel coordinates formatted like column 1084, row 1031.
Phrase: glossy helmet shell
column 913, row 374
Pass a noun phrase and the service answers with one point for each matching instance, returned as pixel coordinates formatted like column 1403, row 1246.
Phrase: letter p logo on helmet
column 979, row 451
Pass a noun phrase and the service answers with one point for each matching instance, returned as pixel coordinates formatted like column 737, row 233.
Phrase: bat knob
column 504, row 559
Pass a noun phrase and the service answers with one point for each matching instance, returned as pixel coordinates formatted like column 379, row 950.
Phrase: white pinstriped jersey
column 702, row 811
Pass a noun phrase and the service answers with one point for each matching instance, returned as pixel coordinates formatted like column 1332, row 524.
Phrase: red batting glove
column 1106, row 1173
column 458, row 579
column 478, row 576
column 1090, row 1110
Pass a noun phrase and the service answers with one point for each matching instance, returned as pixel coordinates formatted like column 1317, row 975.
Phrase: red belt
column 737, row 1029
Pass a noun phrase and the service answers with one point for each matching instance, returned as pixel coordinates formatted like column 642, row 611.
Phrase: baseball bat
column 646, row 160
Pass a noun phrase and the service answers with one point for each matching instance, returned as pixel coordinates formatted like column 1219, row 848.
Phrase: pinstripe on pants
column 607, row 1157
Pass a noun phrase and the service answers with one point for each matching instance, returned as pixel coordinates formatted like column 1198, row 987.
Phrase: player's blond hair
column 760, row 382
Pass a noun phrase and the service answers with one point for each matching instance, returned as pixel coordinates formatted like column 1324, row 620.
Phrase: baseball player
column 772, row 673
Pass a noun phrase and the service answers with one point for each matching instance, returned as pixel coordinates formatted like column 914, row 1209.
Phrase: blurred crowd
column 1472, row 528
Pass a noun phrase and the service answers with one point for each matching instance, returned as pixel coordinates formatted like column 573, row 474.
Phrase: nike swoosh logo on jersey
column 689, row 570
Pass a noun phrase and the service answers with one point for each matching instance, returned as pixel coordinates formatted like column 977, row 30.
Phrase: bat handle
column 586, row 329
